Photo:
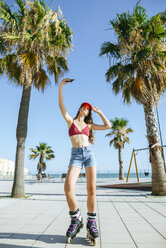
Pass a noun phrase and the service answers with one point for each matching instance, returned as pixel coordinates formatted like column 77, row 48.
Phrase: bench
column 45, row 176
column 81, row 175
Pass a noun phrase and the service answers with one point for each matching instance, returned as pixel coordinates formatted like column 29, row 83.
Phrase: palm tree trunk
column 21, row 134
column 40, row 170
column 121, row 175
column 158, row 171
column 40, row 164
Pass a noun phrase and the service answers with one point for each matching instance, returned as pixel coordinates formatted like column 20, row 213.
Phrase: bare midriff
column 79, row 140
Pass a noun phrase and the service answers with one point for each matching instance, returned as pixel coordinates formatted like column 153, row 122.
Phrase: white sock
column 76, row 214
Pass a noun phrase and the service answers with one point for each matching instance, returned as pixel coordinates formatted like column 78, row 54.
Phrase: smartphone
column 71, row 80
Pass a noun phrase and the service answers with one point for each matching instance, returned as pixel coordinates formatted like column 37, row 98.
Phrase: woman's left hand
column 96, row 110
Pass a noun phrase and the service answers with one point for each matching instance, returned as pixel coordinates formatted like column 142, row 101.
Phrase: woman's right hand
column 64, row 81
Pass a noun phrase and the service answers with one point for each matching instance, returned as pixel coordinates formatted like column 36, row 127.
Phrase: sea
column 108, row 174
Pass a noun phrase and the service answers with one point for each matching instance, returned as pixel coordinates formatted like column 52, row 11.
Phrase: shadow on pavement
column 113, row 193
column 143, row 186
column 43, row 182
column 45, row 238
column 15, row 246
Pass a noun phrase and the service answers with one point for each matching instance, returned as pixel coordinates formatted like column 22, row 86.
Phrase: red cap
column 87, row 105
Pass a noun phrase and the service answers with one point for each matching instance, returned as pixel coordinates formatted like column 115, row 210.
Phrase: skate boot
column 75, row 226
column 92, row 231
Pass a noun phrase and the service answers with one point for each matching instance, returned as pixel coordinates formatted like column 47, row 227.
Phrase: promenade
column 126, row 218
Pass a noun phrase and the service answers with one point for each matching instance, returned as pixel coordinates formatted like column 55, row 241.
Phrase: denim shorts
column 82, row 156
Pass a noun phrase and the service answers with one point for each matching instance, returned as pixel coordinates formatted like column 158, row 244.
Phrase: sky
column 89, row 21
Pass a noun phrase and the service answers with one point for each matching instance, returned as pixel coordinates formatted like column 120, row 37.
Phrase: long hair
column 88, row 119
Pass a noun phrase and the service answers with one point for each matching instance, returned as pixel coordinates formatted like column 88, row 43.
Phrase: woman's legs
column 91, row 189
column 92, row 231
column 69, row 187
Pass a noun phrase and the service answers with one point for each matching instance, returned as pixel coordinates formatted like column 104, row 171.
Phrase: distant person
column 80, row 132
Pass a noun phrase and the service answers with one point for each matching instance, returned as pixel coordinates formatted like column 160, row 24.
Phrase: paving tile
column 126, row 245
column 116, row 238
column 148, row 238
column 152, row 245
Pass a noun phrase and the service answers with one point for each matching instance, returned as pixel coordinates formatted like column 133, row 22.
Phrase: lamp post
column 160, row 137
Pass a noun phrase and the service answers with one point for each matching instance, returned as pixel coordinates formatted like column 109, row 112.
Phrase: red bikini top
column 73, row 130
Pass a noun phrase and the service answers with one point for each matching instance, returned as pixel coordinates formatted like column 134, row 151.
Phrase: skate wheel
column 69, row 240
column 91, row 240
column 95, row 242
column 87, row 237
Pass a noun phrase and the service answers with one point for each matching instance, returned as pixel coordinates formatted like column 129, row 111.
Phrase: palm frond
column 109, row 48
column 56, row 66
column 41, row 80
column 21, row 4
column 6, row 14
column 113, row 71
column 129, row 130
column 10, row 36
column 44, row 5
column 111, row 142
column 10, row 65
column 140, row 14
column 29, row 59
column 50, row 156
column 163, row 17
column 33, row 156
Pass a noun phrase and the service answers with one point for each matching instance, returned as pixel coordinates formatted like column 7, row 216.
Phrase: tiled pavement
column 126, row 218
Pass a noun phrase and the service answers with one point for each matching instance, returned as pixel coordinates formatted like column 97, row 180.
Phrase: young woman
column 80, row 133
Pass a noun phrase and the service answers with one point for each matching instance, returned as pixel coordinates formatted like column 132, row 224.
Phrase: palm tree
column 45, row 153
column 119, row 133
column 137, row 70
column 33, row 39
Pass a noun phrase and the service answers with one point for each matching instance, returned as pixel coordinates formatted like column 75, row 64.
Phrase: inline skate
column 92, row 231
column 74, row 228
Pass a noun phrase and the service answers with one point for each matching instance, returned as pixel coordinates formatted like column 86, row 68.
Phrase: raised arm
column 106, row 122
column 64, row 112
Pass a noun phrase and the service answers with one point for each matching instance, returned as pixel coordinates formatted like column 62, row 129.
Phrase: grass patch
column 9, row 196
column 28, row 196
column 4, row 196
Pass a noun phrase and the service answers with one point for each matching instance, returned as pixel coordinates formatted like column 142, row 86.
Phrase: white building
column 7, row 168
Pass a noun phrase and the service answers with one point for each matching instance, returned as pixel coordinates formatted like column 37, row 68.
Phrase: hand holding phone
column 66, row 81
column 69, row 81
